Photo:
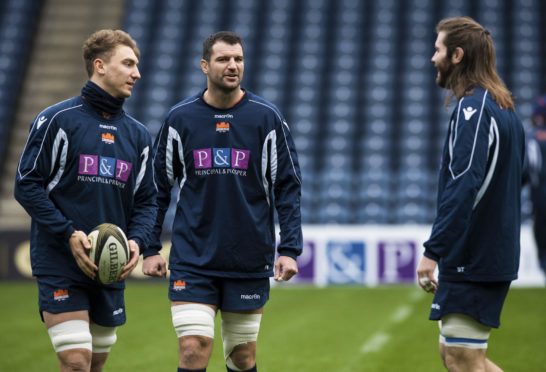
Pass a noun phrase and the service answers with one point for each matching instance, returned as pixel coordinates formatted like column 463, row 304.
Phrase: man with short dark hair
column 233, row 157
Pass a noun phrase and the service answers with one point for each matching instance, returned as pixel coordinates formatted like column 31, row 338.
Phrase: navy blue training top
column 234, row 167
column 476, row 233
column 79, row 170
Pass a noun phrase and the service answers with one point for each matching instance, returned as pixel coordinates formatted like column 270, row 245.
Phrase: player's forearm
column 41, row 209
column 163, row 200
column 291, row 235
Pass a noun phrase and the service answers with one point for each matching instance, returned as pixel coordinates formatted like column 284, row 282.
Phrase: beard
column 225, row 88
column 445, row 70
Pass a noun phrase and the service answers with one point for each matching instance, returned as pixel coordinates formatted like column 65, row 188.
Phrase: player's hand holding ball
column 80, row 247
column 134, row 254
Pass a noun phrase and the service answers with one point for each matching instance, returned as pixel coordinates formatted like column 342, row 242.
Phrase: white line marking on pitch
column 416, row 296
column 379, row 339
column 375, row 343
column 401, row 314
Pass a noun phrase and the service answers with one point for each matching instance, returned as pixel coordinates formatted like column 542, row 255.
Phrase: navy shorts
column 227, row 294
column 106, row 306
column 482, row 301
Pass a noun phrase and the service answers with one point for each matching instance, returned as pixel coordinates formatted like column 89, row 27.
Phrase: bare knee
column 97, row 361
column 464, row 359
column 75, row 360
column 195, row 351
column 443, row 355
column 239, row 335
column 452, row 360
column 464, row 343
column 244, row 355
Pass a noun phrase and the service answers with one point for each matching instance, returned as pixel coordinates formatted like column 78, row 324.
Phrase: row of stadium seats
column 17, row 25
column 353, row 79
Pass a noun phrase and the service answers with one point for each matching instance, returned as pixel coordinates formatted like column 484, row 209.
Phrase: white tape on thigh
column 239, row 329
column 103, row 338
column 193, row 320
column 72, row 334
column 460, row 330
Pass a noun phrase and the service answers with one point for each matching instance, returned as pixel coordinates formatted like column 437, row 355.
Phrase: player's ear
column 98, row 67
column 204, row 66
column 457, row 55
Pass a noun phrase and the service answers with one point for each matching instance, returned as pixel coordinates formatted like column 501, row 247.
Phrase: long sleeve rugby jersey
column 476, row 233
column 79, row 170
column 234, row 167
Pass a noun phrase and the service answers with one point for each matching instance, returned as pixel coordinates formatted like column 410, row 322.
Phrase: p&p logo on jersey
column 103, row 169
column 221, row 161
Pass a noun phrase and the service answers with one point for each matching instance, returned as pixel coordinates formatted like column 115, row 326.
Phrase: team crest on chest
column 108, row 138
column 222, row 127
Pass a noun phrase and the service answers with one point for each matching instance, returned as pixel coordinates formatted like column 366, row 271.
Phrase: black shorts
column 106, row 306
column 227, row 294
column 482, row 301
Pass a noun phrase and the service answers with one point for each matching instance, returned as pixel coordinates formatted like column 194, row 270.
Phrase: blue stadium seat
column 353, row 79
column 18, row 20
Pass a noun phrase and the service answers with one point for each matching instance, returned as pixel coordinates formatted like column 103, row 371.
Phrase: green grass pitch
column 304, row 329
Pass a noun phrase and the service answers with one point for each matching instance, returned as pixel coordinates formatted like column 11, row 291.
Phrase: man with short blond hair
column 86, row 162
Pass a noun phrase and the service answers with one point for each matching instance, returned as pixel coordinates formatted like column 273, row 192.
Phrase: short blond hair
column 101, row 45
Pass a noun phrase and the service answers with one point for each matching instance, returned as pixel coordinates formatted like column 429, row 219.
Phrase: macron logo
column 118, row 311
column 468, row 112
column 253, row 296
column 41, row 121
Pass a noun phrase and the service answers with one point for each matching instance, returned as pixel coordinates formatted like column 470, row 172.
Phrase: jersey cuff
column 68, row 233
column 431, row 255
column 289, row 253
column 148, row 252
column 138, row 242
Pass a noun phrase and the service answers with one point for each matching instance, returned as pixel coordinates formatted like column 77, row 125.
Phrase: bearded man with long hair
column 475, row 237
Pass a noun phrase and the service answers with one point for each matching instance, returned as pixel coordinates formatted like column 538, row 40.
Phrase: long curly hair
column 478, row 66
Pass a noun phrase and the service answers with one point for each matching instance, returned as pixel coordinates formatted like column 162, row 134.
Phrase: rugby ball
column 109, row 251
